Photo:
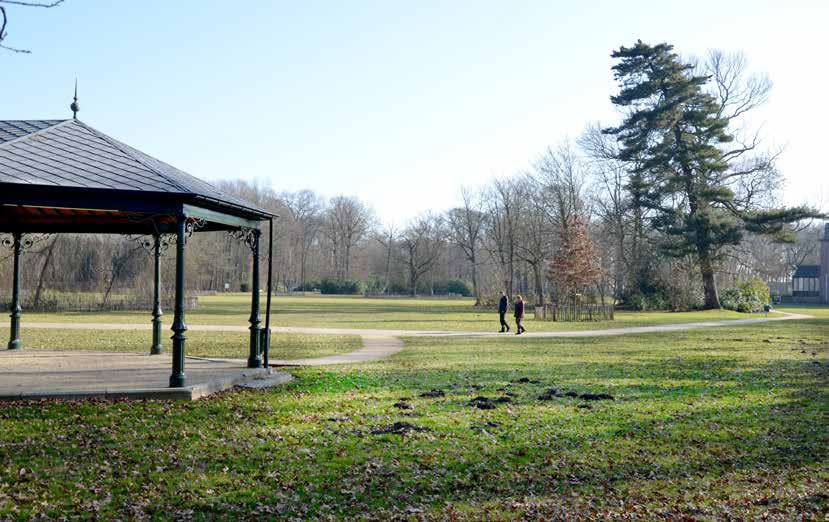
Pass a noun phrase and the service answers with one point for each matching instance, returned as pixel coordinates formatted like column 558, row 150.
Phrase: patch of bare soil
column 398, row 428
column 526, row 380
column 596, row 397
column 549, row 394
column 482, row 403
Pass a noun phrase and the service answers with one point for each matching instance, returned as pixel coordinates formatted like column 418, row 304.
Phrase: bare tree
column 616, row 195
column 466, row 227
column 306, row 210
column 49, row 252
column 388, row 237
column 348, row 222
column 536, row 237
column 562, row 178
column 422, row 244
column 805, row 248
column 502, row 204
column 752, row 174
column 4, row 19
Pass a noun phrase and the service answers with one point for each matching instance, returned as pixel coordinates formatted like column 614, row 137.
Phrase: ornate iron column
column 155, row 245
column 16, row 309
column 157, row 348
column 254, row 359
column 178, row 378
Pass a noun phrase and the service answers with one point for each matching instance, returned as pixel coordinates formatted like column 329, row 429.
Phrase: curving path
column 378, row 344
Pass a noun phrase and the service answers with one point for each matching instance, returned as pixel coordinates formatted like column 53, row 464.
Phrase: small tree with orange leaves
column 575, row 265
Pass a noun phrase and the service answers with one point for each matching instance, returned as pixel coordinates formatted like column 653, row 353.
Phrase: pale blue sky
column 398, row 103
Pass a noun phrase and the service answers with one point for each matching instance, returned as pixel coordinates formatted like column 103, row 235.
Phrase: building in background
column 810, row 283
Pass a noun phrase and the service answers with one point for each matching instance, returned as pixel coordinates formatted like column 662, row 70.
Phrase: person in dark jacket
column 518, row 312
column 503, row 306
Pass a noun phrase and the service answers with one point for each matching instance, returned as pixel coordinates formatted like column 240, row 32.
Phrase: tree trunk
column 475, row 281
column 346, row 261
column 539, row 284
column 43, row 269
column 388, row 268
column 709, row 283
column 109, row 290
column 413, row 281
column 303, row 269
column 413, row 275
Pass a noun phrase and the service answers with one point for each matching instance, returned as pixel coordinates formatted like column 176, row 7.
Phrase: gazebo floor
column 29, row 374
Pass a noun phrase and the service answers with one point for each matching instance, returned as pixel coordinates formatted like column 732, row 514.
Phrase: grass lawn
column 231, row 345
column 729, row 423
column 384, row 314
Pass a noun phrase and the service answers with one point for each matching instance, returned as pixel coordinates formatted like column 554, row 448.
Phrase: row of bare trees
column 581, row 219
column 507, row 235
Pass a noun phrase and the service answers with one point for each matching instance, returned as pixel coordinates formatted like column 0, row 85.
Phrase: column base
column 15, row 345
column 156, row 350
column 255, row 353
column 178, row 381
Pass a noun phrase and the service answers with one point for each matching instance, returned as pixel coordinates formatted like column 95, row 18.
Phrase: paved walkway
column 40, row 374
column 374, row 347
column 378, row 344
column 37, row 374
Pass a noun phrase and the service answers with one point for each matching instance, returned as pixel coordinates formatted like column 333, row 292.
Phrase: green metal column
column 157, row 348
column 254, row 360
column 178, row 378
column 16, row 309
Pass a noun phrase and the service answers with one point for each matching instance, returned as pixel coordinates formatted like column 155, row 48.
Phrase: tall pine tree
column 673, row 136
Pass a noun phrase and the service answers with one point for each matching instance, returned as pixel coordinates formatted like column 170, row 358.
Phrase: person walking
column 518, row 312
column 503, row 306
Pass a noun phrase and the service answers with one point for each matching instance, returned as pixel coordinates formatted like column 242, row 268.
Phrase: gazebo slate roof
column 47, row 162
column 64, row 176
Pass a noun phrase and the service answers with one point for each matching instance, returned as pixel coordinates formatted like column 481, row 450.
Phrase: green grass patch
column 726, row 423
column 384, row 314
column 231, row 345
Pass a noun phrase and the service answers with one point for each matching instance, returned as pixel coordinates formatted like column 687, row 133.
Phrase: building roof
column 68, row 154
column 13, row 129
column 807, row 271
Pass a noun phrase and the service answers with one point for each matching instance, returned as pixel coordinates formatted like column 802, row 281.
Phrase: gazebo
column 63, row 176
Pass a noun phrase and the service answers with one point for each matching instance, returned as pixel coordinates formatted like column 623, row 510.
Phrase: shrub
column 309, row 286
column 637, row 302
column 330, row 285
column 375, row 286
column 458, row 286
column 397, row 288
column 642, row 302
column 746, row 297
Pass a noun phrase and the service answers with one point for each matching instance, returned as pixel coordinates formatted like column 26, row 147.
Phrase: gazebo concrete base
column 30, row 374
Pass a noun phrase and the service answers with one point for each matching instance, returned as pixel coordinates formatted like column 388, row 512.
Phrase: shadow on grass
column 282, row 449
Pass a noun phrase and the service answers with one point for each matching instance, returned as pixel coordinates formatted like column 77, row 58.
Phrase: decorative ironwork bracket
column 192, row 225
column 27, row 241
column 148, row 242
column 153, row 219
column 249, row 235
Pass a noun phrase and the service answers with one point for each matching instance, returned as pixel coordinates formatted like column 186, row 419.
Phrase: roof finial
column 74, row 106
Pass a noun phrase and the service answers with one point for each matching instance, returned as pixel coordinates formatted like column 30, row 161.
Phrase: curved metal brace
column 250, row 236
column 192, row 225
column 27, row 241
column 153, row 219
column 148, row 242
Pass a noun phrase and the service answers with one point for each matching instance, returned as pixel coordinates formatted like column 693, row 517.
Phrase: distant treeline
column 660, row 211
